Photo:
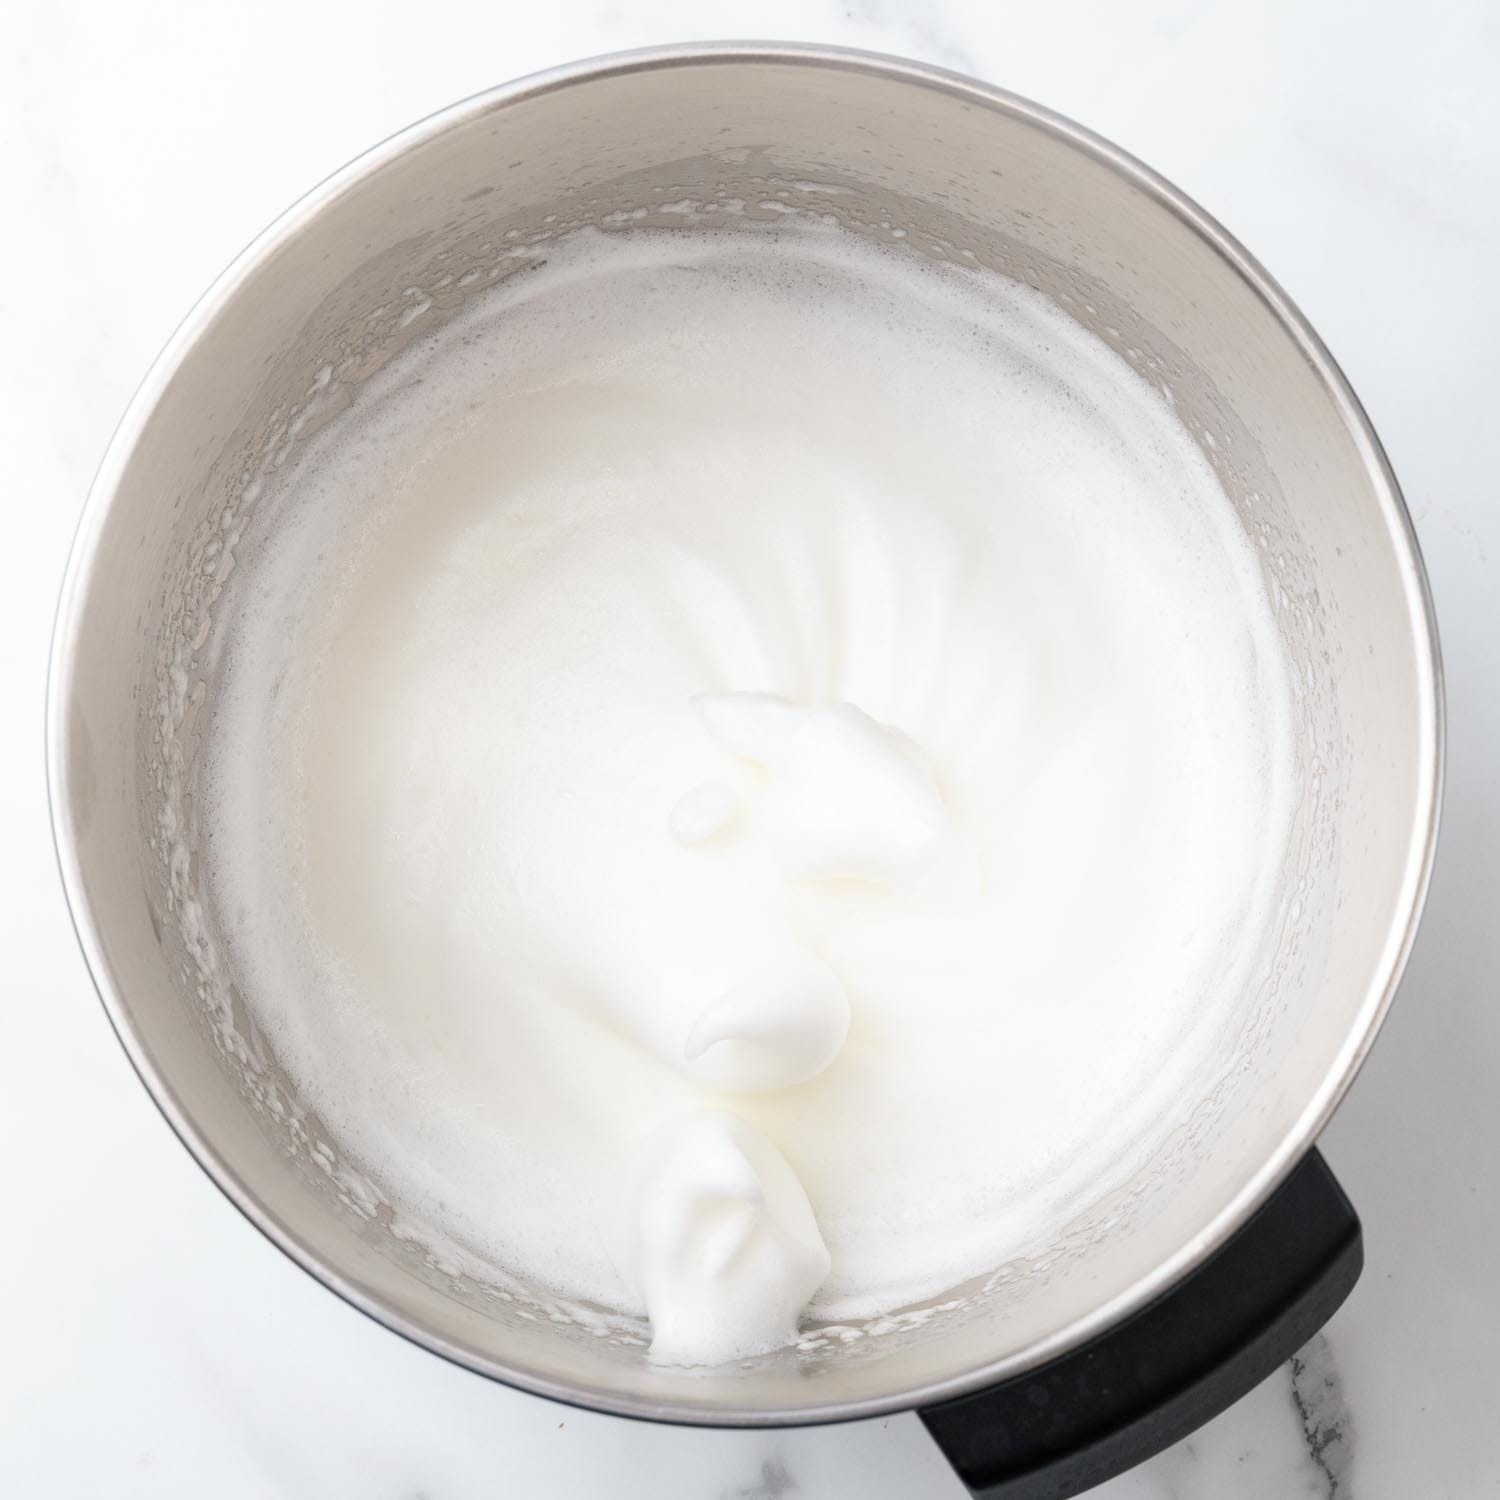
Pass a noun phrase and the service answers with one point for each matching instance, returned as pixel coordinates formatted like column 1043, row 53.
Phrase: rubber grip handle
column 1090, row 1415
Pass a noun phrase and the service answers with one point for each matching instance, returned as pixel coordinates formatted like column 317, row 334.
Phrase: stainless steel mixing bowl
column 728, row 138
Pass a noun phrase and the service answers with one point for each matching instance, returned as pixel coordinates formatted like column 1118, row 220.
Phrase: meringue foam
column 765, row 721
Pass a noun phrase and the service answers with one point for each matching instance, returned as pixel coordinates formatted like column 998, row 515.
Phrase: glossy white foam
column 722, row 1244
column 449, row 840
column 847, row 798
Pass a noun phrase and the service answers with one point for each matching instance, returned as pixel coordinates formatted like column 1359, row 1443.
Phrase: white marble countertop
column 152, row 1344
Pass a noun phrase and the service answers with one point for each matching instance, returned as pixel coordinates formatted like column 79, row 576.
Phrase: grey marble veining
column 154, row 1345
column 1323, row 1412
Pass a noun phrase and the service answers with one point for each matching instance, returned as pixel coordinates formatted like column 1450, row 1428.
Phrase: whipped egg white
column 750, row 770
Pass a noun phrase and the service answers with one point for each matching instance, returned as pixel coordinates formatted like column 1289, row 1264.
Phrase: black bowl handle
column 1092, row 1414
